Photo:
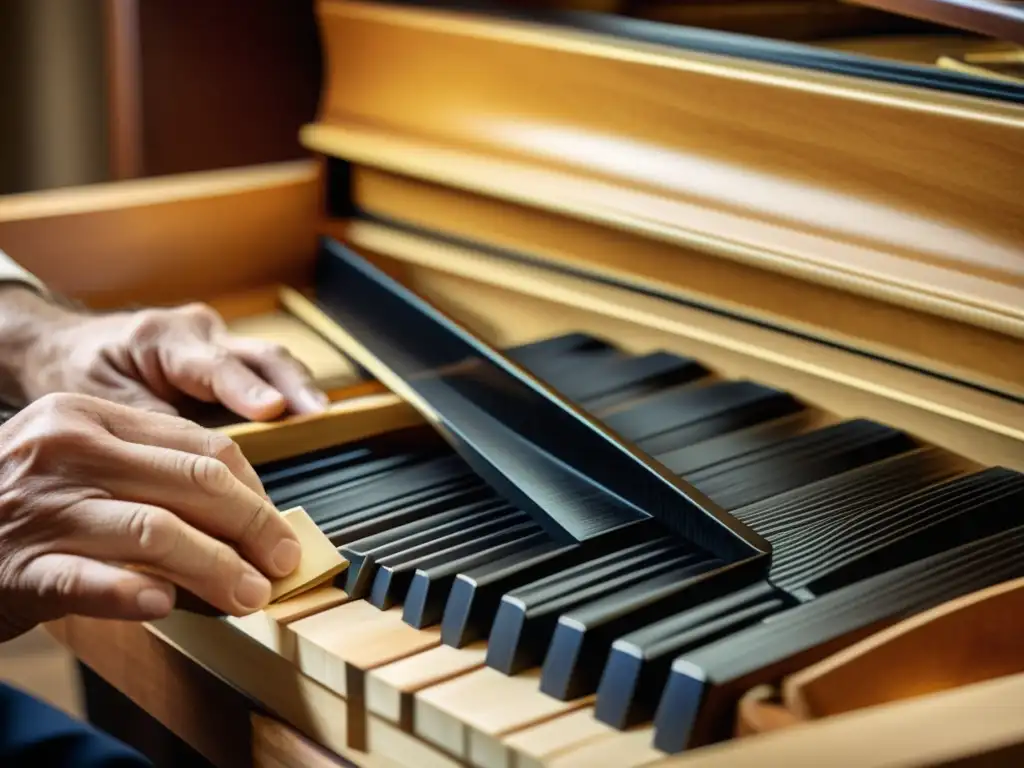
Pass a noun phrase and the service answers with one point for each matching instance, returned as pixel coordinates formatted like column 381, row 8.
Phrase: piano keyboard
column 465, row 624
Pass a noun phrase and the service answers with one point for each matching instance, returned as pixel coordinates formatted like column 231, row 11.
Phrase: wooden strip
column 872, row 215
column 345, row 422
column 508, row 303
column 275, row 745
column 831, row 313
column 977, row 725
column 168, row 240
column 974, row 638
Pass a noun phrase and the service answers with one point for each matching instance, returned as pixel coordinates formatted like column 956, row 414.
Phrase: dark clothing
column 32, row 733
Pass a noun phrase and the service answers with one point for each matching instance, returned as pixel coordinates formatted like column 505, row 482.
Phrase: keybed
column 486, row 676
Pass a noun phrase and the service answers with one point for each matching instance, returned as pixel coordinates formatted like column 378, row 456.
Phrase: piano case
column 675, row 373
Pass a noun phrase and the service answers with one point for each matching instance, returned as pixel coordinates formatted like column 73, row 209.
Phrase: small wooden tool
column 320, row 562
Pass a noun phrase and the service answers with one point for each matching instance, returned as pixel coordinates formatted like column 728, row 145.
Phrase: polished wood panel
column 910, row 197
column 168, row 240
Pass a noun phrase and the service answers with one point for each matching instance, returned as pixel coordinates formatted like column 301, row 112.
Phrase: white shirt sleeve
column 12, row 272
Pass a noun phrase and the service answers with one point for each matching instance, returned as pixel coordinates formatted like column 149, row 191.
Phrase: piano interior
column 733, row 472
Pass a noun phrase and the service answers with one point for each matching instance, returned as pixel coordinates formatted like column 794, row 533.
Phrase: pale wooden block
column 536, row 745
column 388, row 741
column 355, row 636
column 320, row 562
column 388, row 686
column 469, row 711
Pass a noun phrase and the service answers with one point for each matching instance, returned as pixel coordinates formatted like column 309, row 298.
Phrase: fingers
column 61, row 584
column 167, row 431
column 167, row 546
column 205, row 493
column 284, row 372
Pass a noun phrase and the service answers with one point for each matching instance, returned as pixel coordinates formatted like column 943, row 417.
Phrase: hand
column 153, row 359
column 104, row 509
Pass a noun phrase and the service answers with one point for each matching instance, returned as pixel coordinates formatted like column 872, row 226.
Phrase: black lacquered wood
column 705, row 684
column 545, row 456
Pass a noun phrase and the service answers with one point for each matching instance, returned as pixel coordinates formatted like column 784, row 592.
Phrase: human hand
column 105, row 509
column 153, row 359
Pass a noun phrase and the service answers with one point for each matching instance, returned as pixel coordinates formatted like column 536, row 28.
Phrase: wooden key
column 470, row 715
column 338, row 646
column 759, row 711
column 578, row 739
column 320, row 562
column 963, row 641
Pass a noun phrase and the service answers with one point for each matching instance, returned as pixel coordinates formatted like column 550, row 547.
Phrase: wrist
column 28, row 321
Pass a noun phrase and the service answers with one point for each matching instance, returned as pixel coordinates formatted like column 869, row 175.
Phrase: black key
column 583, row 636
column 477, row 592
column 685, row 415
column 544, row 351
column 336, row 503
column 706, row 453
column 705, row 684
column 527, row 616
column 799, row 461
column 431, row 586
column 638, row 664
column 393, row 578
column 394, row 512
column 940, row 518
column 305, row 466
column 364, row 554
column 304, row 490
column 604, row 383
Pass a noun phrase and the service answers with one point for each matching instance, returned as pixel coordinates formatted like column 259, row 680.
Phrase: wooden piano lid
column 876, row 205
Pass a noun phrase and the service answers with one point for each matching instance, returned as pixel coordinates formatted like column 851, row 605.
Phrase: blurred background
column 104, row 90
column 100, row 90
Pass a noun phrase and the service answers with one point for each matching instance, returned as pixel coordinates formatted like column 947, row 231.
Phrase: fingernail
column 252, row 591
column 314, row 401
column 286, row 556
column 155, row 602
column 264, row 396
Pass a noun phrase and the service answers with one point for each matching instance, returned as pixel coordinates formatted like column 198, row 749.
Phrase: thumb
column 61, row 584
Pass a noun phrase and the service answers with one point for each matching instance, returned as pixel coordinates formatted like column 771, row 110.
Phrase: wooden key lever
column 968, row 640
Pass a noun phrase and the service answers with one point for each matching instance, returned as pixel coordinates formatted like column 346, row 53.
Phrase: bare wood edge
column 138, row 193
column 123, row 58
column 522, row 183
column 976, row 725
column 929, row 406
column 798, row 688
column 275, row 745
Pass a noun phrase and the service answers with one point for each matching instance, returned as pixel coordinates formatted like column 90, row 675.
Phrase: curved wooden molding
column 964, row 641
column 906, row 194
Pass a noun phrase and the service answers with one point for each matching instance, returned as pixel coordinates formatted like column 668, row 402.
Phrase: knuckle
column 202, row 314
column 222, row 448
column 211, row 475
column 148, row 326
column 61, row 582
column 155, row 531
